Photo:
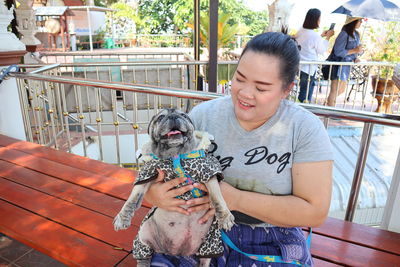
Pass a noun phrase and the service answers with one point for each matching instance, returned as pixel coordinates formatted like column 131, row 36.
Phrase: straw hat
column 350, row 19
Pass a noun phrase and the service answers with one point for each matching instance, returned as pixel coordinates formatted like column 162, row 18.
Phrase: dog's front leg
column 224, row 216
column 124, row 217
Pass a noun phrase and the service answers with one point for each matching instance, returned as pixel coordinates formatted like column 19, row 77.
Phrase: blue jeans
column 306, row 86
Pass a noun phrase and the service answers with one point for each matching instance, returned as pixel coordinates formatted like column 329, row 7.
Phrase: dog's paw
column 121, row 222
column 225, row 220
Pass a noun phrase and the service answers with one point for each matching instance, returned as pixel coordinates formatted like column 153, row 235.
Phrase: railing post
column 359, row 171
column 391, row 215
column 213, row 47
column 196, row 42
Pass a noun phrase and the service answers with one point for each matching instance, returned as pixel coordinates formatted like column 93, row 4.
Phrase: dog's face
column 172, row 133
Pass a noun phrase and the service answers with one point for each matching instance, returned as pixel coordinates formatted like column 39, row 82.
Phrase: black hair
column 350, row 28
column 282, row 46
column 311, row 19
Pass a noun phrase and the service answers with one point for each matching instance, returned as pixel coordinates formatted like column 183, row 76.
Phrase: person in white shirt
column 311, row 45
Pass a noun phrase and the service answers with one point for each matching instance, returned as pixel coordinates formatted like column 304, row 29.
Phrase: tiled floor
column 16, row 254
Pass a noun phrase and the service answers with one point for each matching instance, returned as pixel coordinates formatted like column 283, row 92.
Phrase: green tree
column 101, row 3
column 125, row 17
column 158, row 15
column 384, row 44
column 226, row 32
column 173, row 15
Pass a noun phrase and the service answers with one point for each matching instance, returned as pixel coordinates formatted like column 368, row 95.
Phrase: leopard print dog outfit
column 200, row 170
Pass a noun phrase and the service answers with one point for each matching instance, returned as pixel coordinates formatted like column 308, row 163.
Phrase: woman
column 312, row 44
column 276, row 159
column 347, row 47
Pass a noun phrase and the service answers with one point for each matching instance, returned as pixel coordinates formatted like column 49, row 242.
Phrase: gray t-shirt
column 261, row 160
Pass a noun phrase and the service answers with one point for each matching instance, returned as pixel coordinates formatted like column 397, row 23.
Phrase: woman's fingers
column 174, row 182
column 198, row 208
column 200, row 186
column 199, row 201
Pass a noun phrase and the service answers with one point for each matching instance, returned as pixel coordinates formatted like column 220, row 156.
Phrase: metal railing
column 110, row 56
column 91, row 111
column 368, row 86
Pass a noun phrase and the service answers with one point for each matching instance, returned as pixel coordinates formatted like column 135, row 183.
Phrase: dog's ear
column 150, row 123
column 153, row 119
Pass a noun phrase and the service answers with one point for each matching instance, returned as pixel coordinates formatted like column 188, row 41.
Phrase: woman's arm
column 340, row 46
column 308, row 206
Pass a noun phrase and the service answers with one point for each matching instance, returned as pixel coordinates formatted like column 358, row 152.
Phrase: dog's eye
column 160, row 117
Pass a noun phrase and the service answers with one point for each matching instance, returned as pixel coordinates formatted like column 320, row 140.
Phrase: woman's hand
column 163, row 194
column 201, row 203
column 328, row 34
column 229, row 193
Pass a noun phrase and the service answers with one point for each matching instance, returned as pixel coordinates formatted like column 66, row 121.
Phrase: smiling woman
column 257, row 89
column 276, row 158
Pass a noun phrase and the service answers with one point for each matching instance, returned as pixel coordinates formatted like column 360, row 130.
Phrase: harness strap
column 176, row 161
column 264, row 258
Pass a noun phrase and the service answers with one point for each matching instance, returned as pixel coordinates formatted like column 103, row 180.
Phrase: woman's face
column 257, row 89
column 358, row 24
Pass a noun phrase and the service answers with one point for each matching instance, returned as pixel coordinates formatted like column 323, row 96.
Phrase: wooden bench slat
column 108, row 185
column 81, row 219
column 71, row 192
column 357, row 233
column 59, row 242
column 72, row 160
column 349, row 254
column 322, row 263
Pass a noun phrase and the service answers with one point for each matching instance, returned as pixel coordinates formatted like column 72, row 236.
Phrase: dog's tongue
column 173, row 132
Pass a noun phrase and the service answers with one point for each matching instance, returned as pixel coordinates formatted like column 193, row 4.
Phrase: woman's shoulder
column 211, row 109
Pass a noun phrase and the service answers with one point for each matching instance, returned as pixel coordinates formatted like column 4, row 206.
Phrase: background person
column 347, row 47
column 275, row 155
column 396, row 75
column 312, row 44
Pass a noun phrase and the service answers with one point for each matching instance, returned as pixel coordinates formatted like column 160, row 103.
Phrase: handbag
column 326, row 68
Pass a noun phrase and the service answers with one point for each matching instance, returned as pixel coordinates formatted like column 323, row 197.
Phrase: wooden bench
column 63, row 205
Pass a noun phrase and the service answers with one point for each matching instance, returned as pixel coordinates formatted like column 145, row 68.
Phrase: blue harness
column 264, row 258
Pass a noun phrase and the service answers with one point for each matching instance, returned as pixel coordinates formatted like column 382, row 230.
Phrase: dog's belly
column 174, row 233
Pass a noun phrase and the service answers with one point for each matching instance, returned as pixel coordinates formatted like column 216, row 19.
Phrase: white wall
column 97, row 20
column 11, row 123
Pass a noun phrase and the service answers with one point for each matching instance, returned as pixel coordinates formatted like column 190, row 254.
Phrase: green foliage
column 101, row 3
column 226, row 32
column 125, row 10
column 158, row 16
column 165, row 16
column 384, row 44
column 125, row 19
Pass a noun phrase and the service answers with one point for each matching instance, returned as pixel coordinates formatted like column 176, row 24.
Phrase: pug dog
column 178, row 150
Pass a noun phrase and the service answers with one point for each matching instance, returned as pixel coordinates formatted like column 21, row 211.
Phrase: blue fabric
column 306, row 86
column 289, row 243
column 343, row 43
